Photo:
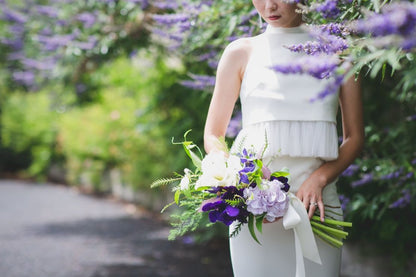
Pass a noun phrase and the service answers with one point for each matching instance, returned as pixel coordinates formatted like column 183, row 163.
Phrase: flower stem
column 335, row 242
column 333, row 231
column 333, row 222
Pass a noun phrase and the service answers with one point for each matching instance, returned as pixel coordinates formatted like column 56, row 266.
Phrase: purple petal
column 232, row 211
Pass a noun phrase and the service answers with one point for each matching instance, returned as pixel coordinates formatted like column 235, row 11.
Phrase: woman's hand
column 310, row 193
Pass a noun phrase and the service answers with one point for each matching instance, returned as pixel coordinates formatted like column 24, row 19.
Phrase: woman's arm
column 227, row 87
column 353, row 141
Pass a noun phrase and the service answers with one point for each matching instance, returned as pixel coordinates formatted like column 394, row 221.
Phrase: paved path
column 54, row 231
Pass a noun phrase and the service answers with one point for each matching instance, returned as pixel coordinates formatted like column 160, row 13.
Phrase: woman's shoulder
column 241, row 48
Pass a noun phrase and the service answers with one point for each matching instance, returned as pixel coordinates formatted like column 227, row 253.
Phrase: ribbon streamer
column 297, row 219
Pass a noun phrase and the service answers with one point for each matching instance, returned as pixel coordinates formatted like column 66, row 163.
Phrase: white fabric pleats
column 290, row 138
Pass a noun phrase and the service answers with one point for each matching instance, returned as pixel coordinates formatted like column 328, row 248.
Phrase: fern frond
column 164, row 181
column 234, row 202
column 236, row 230
column 240, row 145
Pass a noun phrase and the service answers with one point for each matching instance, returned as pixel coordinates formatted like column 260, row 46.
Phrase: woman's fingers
column 321, row 210
column 312, row 207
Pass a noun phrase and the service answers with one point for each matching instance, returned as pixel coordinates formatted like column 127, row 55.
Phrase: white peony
column 218, row 170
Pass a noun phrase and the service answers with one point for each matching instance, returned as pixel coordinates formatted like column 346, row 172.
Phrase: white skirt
column 275, row 257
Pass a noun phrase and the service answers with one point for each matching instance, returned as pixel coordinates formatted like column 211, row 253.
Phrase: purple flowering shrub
column 63, row 40
column 378, row 190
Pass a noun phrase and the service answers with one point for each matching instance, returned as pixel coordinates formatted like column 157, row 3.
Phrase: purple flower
column 48, row 11
column 403, row 201
column 170, row 19
column 331, row 88
column 245, row 19
column 284, row 182
column 234, row 126
column 344, row 201
column 320, row 66
column 220, row 210
column 165, row 5
column 88, row 19
column 14, row 16
column 328, row 9
column 26, row 78
column 45, row 64
column 393, row 175
column 55, row 42
column 86, row 45
column 270, row 199
column 350, row 171
column 335, row 29
column 367, row 178
column 200, row 82
column 15, row 44
column 395, row 18
column 323, row 42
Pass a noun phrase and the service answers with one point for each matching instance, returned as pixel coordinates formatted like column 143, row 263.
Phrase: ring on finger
column 313, row 204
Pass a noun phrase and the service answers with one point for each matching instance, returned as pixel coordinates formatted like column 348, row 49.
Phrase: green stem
column 333, row 222
column 333, row 231
column 327, row 238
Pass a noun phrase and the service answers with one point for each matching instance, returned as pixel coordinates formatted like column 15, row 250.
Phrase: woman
column 301, row 135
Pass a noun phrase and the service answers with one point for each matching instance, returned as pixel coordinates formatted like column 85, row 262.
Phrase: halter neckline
column 282, row 30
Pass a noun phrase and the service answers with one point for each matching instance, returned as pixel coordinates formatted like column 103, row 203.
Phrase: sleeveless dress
column 300, row 134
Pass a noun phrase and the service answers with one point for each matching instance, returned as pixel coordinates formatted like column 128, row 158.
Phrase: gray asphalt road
column 55, row 231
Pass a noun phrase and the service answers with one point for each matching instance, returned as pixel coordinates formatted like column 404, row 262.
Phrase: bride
column 302, row 136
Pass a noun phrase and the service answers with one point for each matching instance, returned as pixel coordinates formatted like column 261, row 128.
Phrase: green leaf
column 259, row 222
column 251, row 228
column 177, row 195
column 280, row 174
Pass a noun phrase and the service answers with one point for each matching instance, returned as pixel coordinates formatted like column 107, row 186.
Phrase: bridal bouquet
column 236, row 188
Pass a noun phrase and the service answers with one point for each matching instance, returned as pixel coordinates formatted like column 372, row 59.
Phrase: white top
column 280, row 105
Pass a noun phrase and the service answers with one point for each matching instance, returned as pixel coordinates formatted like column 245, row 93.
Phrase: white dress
column 301, row 135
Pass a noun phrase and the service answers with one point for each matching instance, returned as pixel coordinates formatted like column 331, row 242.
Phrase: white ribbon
column 297, row 219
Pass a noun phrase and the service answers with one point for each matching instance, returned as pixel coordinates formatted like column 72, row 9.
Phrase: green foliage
column 388, row 161
column 28, row 124
column 120, row 130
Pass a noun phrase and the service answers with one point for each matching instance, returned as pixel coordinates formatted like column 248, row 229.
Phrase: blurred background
column 93, row 92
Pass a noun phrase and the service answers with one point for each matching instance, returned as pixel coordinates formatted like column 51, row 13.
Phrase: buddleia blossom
column 57, row 31
column 171, row 19
column 328, row 8
column 351, row 170
column 395, row 25
column 344, row 201
column 402, row 201
column 199, row 82
column 234, row 126
column 319, row 66
column 365, row 179
column 331, row 88
column 323, row 42
column 335, row 29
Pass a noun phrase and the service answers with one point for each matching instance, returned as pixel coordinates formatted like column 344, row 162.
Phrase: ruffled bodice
column 278, row 106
